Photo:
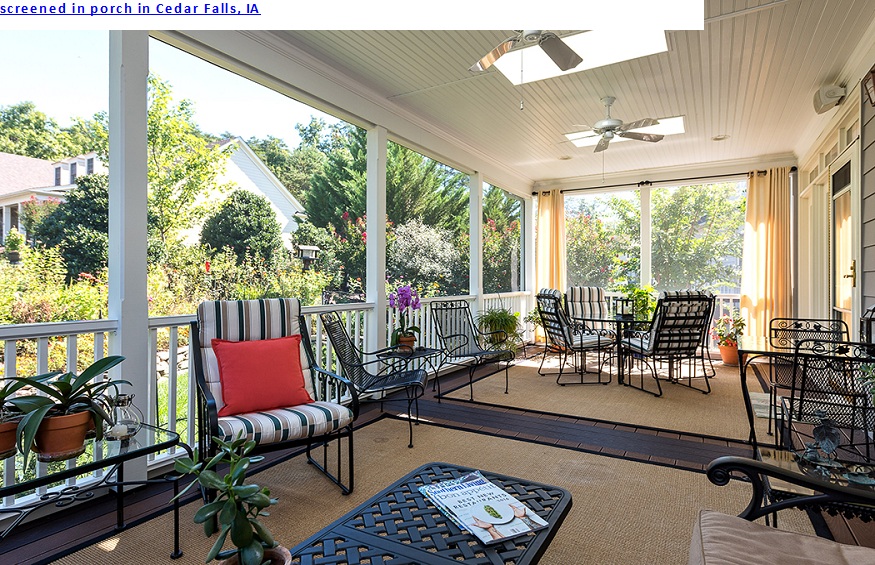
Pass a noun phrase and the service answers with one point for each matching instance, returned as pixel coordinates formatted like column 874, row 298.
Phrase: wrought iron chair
column 376, row 376
column 676, row 335
column 331, row 415
column 464, row 345
column 587, row 302
column 830, row 399
column 785, row 334
column 572, row 337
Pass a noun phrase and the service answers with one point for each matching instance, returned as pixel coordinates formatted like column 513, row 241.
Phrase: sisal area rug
column 623, row 512
column 720, row 413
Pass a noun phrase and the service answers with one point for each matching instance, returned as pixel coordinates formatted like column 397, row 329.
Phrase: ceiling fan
column 561, row 54
column 610, row 127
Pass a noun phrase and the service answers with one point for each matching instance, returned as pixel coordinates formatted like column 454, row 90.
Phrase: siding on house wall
column 253, row 180
column 867, row 144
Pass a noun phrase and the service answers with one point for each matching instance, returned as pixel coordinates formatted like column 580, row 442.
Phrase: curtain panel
column 765, row 274
column 551, row 241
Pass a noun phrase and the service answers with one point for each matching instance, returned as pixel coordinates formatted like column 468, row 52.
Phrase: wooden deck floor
column 47, row 538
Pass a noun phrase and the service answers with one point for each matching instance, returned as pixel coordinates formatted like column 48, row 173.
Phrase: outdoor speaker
column 827, row 97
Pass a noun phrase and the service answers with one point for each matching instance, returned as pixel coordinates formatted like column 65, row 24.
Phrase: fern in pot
column 502, row 328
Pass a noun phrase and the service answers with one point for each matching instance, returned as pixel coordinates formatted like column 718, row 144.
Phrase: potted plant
column 9, row 417
column 236, row 508
column 502, row 327
column 12, row 244
column 404, row 299
column 55, row 425
column 726, row 331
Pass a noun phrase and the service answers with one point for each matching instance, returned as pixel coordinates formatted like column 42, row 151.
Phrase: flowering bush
column 404, row 299
column 728, row 328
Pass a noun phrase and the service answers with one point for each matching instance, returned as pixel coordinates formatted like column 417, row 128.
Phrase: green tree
column 596, row 243
column 246, row 224
column 423, row 256
column 79, row 227
column 26, row 131
column 35, row 211
column 294, row 169
column 182, row 164
column 501, row 241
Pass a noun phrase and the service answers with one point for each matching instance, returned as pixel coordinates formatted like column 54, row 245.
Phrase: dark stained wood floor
column 45, row 539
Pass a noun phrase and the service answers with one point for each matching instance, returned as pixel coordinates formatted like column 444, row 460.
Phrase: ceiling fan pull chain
column 522, row 83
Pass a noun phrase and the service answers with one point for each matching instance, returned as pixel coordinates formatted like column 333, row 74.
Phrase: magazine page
column 482, row 508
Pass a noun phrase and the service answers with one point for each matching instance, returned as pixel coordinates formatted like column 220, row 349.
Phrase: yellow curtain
column 551, row 241
column 765, row 273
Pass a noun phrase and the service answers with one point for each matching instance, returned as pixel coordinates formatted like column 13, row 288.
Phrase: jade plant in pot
column 55, row 425
column 236, row 507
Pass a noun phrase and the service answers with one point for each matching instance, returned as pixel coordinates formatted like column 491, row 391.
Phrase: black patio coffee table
column 401, row 526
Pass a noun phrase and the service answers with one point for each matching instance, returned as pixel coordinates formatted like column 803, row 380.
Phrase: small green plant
column 501, row 326
column 534, row 318
column 237, row 505
column 65, row 393
column 728, row 328
column 13, row 243
column 642, row 297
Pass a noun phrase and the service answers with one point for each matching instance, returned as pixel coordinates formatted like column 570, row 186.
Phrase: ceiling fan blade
column 493, row 55
column 563, row 55
column 642, row 123
column 652, row 137
column 602, row 145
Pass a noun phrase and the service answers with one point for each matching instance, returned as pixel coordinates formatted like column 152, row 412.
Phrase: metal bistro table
column 114, row 453
column 621, row 323
column 423, row 354
column 401, row 526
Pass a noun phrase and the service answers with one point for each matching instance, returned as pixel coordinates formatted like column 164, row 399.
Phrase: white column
column 646, row 275
column 376, row 244
column 7, row 220
column 475, row 240
column 128, row 302
column 527, row 264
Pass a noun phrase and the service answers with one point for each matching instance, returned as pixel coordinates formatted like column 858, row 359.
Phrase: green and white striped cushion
column 299, row 422
column 247, row 320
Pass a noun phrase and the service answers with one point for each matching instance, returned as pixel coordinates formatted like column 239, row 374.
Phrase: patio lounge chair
column 255, row 375
column 381, row 380
column 572, row 337
column 676, row 336
column 464, row 345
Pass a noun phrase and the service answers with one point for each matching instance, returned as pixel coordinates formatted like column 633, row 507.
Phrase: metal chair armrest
column 341, row 384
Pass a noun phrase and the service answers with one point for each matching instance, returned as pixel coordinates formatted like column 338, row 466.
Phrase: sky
column 65, row 73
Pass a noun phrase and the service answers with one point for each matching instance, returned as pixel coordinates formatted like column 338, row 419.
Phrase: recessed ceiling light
column 565, row 157
column 666, row 126
column 597, row 48
column 721, row 137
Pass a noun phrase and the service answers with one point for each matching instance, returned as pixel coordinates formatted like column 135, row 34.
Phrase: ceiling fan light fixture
column 666, row 126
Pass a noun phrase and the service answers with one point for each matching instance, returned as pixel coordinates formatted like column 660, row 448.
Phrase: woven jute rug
column 720, row 413
column 623, row 512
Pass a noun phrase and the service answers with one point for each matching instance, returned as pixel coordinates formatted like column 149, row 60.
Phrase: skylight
column 597, row 48
column 666, row 126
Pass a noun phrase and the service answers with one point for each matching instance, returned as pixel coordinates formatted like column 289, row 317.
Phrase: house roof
column 19, row 173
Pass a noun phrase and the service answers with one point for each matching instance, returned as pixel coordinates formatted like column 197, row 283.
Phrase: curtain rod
column 649, row 183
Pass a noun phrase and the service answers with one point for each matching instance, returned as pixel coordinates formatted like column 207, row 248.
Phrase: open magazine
column 476, row 504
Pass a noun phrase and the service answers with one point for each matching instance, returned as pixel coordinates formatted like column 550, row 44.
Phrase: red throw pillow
column 260, row 375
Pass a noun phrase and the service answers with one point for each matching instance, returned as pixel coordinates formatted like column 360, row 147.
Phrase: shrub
column 246, row 224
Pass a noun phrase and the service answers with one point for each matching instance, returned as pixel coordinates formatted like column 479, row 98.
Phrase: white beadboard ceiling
column 751, row 75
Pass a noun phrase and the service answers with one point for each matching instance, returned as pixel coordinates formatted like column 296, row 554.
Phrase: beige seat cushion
column 730, row 540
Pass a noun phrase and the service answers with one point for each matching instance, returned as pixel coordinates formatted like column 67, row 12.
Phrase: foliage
column 501, row 241
column 534, row 318
column 501, row 326
column 65, row 393
column 293, row 168
column 421, row 254
column 404, row 299
column 237, row 505
column 643, row 299
column 728, row 328
column 595, row 246
column 26, row 131
column 35, row 211
column 245, row 223
column 79, row 227
column 328, row 260
column 14, row 241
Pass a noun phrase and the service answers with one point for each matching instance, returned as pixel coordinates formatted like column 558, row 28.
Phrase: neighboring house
column 23, row 178
column 245, row 170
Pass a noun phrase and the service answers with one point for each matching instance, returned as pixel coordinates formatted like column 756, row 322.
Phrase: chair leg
column 506, row 376
column 323, row 466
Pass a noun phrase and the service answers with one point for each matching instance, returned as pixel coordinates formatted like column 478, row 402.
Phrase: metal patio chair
column 464, row 345
column 374, row 377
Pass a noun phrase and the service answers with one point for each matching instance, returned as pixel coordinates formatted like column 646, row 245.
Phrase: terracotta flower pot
column 62, row 437
column 7, row 438
column 278, row 555
column 406, row 342
column 729, row 354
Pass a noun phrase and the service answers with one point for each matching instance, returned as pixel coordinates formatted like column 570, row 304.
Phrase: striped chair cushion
column 247, row 320
column 678, row 325
column 587, row 302
column 298, row 422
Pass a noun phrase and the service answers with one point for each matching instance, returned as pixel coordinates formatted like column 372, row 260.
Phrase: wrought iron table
column 106, row 455
column 418, row 354
column 401, row 526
